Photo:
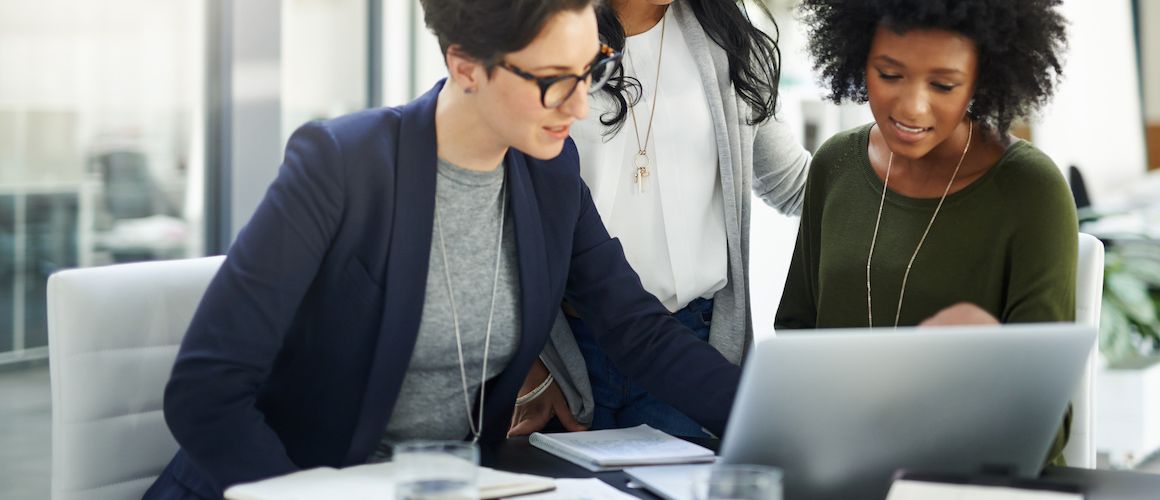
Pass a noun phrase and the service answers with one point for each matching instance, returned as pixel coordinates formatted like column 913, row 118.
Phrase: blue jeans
column 621, row 403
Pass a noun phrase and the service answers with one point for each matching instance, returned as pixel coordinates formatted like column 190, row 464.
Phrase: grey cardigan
column 765, row 158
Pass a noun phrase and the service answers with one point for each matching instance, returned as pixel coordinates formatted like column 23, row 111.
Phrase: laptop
column 839, row 411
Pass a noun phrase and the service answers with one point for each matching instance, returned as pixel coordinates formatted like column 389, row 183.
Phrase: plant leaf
column 1131, row 295
column 1144, row 269
column 1115, row 333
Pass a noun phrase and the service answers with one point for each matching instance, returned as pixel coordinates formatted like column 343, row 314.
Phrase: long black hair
column 754, row 58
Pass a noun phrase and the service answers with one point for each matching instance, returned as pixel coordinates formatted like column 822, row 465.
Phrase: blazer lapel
column 534, row 294
column 406, row 278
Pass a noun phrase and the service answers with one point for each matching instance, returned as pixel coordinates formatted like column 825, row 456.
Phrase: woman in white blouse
column 671, row 150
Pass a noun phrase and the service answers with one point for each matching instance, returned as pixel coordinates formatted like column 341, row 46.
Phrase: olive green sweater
column 1006, row 243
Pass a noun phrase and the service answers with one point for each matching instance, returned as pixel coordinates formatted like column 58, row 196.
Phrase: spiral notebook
column 615, row 449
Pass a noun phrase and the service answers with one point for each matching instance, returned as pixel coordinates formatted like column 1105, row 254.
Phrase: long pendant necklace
column 874, row 239
column 477, row 425
column 640, row 162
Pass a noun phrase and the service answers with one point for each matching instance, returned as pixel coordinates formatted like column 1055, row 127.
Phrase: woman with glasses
column 672, row 149
column 406, row 266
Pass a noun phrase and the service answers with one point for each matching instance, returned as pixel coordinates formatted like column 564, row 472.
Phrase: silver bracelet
column 534, row 393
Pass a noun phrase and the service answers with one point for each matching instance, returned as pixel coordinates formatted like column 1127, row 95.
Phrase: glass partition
column 100, row 144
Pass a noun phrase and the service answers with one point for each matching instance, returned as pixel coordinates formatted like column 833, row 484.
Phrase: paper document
column 614, row 449
column 372, row 482
column 670, row 482
column 581, row 489
column 923, row 490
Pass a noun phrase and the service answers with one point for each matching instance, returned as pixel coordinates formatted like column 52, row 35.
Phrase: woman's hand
column 533, row 415
column 963, row 313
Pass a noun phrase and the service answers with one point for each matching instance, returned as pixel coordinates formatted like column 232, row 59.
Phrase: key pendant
column 641, row 163
column 641, row 173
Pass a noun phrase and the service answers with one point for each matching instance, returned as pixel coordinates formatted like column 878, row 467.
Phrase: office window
column 101, row 119
column 324, row 60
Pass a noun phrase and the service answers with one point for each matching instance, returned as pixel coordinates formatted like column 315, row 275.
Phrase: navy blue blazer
column 295, row 357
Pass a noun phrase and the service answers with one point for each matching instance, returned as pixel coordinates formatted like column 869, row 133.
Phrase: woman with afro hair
column 934, row 213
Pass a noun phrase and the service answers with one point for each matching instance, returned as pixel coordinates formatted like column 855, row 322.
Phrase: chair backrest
column 113, row 336
column 1089, row 291
column 1078, row 188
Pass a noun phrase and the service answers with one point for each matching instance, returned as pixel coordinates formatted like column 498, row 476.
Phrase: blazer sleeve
column 636, row 331
column 238, row 329
column 780, row 167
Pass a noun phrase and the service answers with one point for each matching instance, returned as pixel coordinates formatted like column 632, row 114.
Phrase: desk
column 517, row 455
column 1108, row 484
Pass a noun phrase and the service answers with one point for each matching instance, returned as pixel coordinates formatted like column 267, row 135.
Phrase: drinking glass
column 738, row 482
column 436, row 470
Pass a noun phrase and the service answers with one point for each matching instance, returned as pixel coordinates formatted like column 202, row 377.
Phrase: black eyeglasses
column 555, row 90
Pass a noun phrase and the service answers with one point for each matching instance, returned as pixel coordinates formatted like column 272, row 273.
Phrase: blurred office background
column 148, row 129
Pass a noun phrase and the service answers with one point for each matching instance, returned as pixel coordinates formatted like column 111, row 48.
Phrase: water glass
column 436, row 470
column 738, row 482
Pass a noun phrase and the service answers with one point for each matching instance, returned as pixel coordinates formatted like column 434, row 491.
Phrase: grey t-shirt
column 430, row 403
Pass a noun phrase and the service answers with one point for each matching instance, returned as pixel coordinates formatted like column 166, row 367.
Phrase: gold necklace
column 874, row 239
column 640, row 162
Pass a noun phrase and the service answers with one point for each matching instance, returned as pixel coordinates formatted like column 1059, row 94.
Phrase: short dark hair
column 1019, row 45
column 486, row 30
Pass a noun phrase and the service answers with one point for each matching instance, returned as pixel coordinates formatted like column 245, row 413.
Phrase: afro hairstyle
column 1019, row 45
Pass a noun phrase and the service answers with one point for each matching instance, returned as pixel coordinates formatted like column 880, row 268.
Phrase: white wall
column 256, row 105
column 324, row 62
column 1150, row 48
column 429, row 64
column 396, row 61
column 81, row 77
column 1095, row 120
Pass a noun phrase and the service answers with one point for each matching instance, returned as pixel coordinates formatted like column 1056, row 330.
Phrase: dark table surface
column 517, row 455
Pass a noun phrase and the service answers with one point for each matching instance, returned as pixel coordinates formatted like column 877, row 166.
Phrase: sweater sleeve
column 1044, row 251
column 780, row 167
column 799, row 308
column 562, row 357
column 1043, row 244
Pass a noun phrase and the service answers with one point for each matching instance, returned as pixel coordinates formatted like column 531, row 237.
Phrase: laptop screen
column 840, row 410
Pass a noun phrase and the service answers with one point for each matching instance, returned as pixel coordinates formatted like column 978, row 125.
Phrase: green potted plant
column 1128, row 385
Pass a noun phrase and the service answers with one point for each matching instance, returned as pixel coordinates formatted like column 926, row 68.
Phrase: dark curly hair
column 1020, row 43
column 754, row 57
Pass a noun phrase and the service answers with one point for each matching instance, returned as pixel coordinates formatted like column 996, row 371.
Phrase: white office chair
column 1089, row 290
column 113, row 334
